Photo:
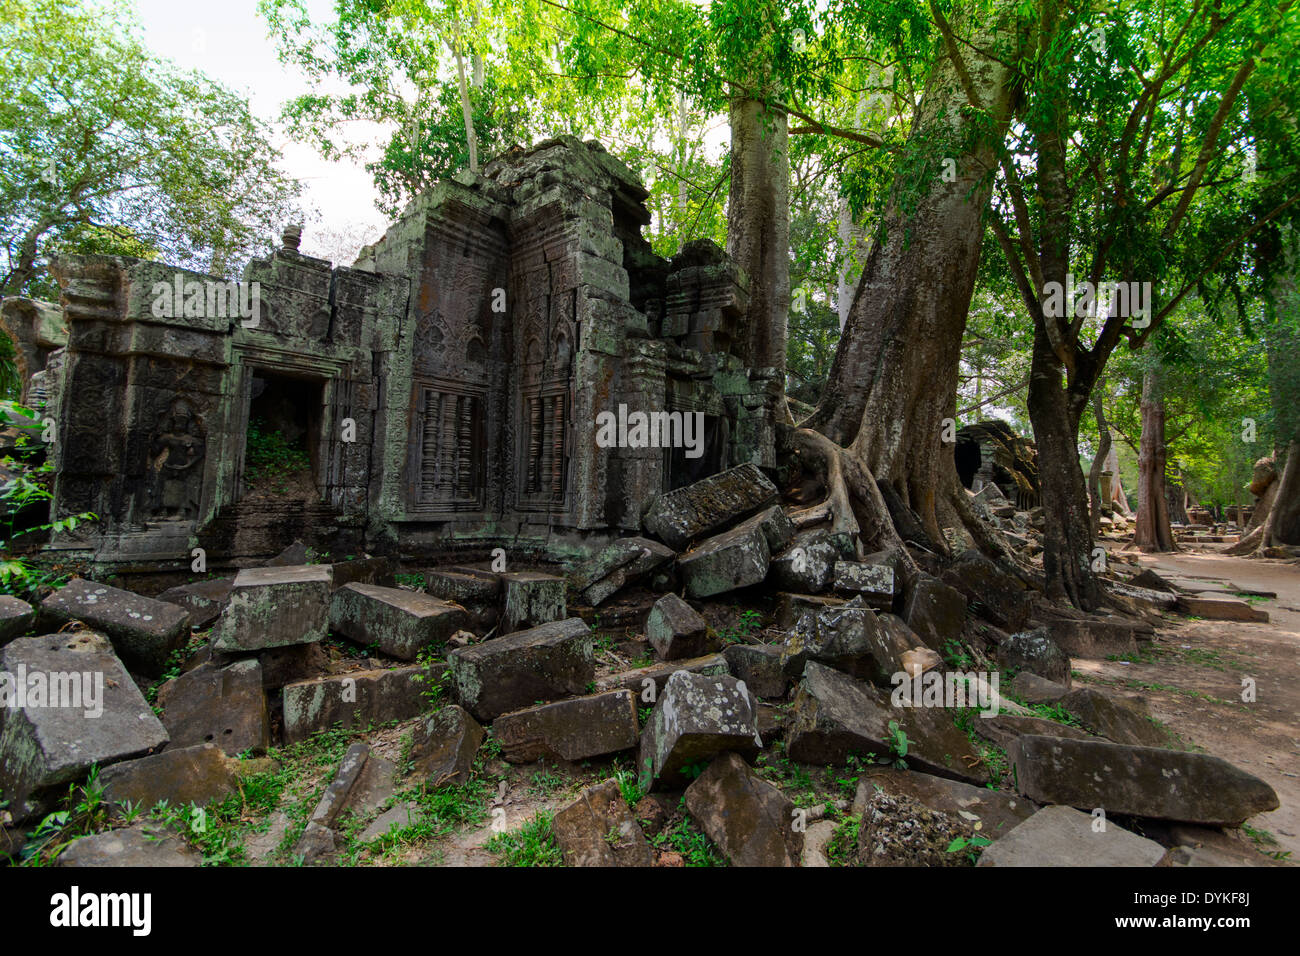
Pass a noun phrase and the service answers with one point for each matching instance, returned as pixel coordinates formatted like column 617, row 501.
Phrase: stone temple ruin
column 447, row 383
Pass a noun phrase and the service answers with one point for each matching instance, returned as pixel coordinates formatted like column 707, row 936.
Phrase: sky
column 228, row 41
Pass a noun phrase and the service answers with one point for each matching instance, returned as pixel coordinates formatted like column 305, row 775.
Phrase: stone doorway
column 282, row 440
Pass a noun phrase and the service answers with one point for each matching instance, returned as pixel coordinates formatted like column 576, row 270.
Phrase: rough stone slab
column 791, row 607
column 363, row 782
column 204, row 600
column 1220, row 608
column 1005, row 728
column 990, row 813
column 402, row 623
column 531, row 599
column 708, row 506
column 1035, row 653
column 399, row 817
column 444, row 745
column 569, row 729
column 1093, row 636
column 144, row 632
column 850, row 638
column 283, row 665
column 875, row 582
column 990, row 592
column 1120, row 720
column 696, row 718
column 733, row 559
column 1136, row 599
column 358, row 699
column 935, row 612
column 834, row 715
column 504, row 674
column 748, row 819
column 464, row 585
column 759, row 666
column 44, row 747
column 808, row 565
column 622, row 563
column 598, row 829
column 140, row 845
column 16, row 618
column 275, row 607
column 658, row 674
column 676, row 631
column 180, row 776
column 1142, row 781
column 296, row 554
column 380, row 571
column 1062, row 836
column 1033, row 689
column 225, row 706
column 777, row 528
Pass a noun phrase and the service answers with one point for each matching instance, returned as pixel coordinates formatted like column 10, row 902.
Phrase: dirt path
column 1192, row 678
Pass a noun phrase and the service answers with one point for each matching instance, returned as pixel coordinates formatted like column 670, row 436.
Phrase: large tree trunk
column 1067, row 530
column 758, row 227
column 1152, row 533
column 1099, row 459
column 894, row 378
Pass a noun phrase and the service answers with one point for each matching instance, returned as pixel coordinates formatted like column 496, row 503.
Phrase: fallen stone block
column 1141, row 781
column 834, row 715
column 760, row 667
column 1220, row 608
column 572, row 729
column 144, row 632
column 282, row 665
column 478, row 592
column 598, row 829
column 641, row 680
column 203, row 600
column 296, row 554
column 750, row 821
column 990, row 592
column 807, row 566
column 696, row 718
column 733, row 559
column 143, row 845
column 990, row 813
column 675, row 630
column 777, row 528
column 1122, row 721
column 358, row 699
column 1034, row 689
column 708, row 506
column 363, row 783
column 875, row 582
column 935, row 612
column 444, row 745
column 850, row 638
column 1062, row 836
column 1006, row 728
column 402, row 623
column 16, row 618
column 531, row 599
column 66, row 702
column 504, row 674
column 225, row 706
column 180, row 776
column 1139, row 600
column 398, row 817
column 377, row 571
column 1034, row 652
column 624, row 562
column 316, row 843
column 791, row 607
column 1092, row 636
column 275, row 607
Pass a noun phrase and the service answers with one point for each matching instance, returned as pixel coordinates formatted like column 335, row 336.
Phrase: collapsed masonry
column 447, row 384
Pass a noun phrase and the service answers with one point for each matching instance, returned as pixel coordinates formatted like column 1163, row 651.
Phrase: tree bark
column 1099, row 459
column 758, row 227
column 894, row 378
column 1153, row 533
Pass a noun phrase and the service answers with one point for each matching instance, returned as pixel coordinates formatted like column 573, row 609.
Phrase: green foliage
column 971, row 846
column 897, row 747
column 747, row 625
column 684, row 837
column 105, row 148
column 271, row 459
column 533, row 844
